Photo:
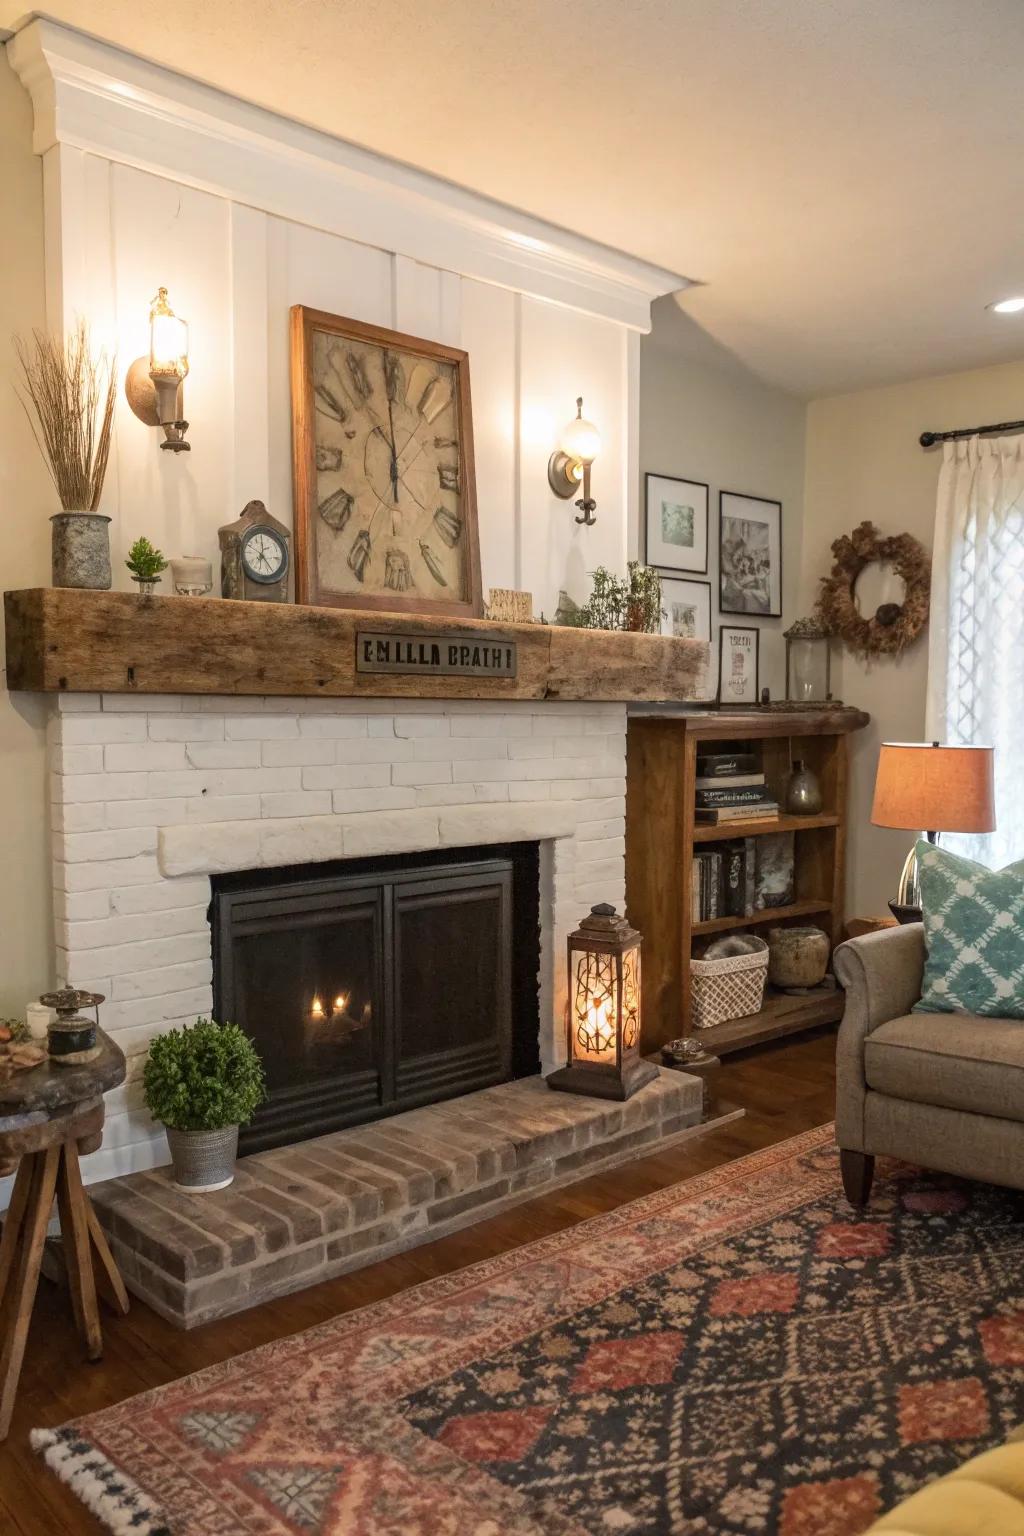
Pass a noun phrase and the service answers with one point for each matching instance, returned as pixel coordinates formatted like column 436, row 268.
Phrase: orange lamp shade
column 928, row 788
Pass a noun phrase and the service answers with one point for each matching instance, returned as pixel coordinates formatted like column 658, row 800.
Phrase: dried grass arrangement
column 68, row 396
column 893, row 626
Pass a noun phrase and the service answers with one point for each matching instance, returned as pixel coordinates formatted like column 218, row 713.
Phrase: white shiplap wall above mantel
column 100, row 99
column 151, row 178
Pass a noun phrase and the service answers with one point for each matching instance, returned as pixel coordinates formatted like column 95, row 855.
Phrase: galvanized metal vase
column 204, row 1161
column 80, row 550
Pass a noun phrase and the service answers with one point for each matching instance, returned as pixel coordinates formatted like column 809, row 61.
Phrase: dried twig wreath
column 893, row 626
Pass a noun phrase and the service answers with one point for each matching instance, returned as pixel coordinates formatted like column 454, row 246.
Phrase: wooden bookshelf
column 661, row 836
column 729, row 831
column 775, row 915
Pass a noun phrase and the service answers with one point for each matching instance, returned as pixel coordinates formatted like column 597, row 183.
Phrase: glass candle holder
column 191, row 576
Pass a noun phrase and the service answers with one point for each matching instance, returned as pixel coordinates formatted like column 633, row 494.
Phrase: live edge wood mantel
column 61, row 640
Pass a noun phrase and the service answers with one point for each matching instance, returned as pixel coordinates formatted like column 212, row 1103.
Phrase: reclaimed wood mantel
column 61, row 640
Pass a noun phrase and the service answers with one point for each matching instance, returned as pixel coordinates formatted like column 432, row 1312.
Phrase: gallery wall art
column 738, row 660
column 676, row 524
column 385, row 495
column 686, row 608
column 750, row 555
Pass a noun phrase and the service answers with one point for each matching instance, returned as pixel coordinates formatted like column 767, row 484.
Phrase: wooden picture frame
column 749, row 555
column 676, row 524
column 374, row 529
column 736, row 688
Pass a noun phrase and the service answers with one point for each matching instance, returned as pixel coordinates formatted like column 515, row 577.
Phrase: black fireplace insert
column 375, row 985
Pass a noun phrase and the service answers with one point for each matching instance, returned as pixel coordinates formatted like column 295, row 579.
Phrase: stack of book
column 731, row 788
column 741, row 877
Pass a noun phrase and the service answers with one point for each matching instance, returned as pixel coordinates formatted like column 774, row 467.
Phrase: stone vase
column 204, row 1161
column 797, row 958
column 80, row 550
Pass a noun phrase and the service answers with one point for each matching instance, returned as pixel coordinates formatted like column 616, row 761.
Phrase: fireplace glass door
column 373, row 989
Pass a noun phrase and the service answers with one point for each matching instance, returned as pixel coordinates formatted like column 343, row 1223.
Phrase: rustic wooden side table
column 49, row 1117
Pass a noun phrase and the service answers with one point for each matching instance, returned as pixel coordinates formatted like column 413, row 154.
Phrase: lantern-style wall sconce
column 153, row 384
column 604, row 1010
column 569, row 465
column 808, row 663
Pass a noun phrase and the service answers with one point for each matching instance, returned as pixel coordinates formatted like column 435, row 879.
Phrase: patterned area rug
column 737, row 1354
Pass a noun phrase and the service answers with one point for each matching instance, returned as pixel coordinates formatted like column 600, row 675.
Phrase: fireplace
column 376, row 985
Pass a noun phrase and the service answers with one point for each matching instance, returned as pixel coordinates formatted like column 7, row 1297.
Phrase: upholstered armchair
column 944, row 1090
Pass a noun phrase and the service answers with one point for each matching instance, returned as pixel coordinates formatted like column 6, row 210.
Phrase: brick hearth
column 301, row 1214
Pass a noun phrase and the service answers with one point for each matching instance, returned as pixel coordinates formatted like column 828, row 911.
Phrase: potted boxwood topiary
column 203, row 1081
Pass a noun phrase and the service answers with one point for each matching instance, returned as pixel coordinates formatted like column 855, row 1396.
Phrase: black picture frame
column 657, row 552
column 740, row 629
column 749, row 602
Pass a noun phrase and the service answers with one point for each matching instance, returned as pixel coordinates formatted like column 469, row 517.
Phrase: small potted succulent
column 203, row 1081
column 146, row 565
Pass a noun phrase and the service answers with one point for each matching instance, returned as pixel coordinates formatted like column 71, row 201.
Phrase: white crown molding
column 94, row 97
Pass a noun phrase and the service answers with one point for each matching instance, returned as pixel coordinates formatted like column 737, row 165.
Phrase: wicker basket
column 729, row 988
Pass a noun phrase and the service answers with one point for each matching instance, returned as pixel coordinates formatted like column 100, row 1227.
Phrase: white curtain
column 976, row 642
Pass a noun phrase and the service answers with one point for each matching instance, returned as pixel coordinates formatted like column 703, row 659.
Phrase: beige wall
column 704, row 416
column 864, row 461
column 26, row 928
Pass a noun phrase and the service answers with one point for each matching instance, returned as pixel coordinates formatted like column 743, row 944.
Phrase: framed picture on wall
column 686, row 608
column 385, row 493
column 675, row 523
column 738, row 655
column 749, row 555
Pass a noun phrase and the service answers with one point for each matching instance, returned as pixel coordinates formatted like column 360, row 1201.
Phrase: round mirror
column 879, row 585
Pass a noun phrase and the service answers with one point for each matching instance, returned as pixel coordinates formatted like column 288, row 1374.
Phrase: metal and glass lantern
column 604, row 1010
column 71, row 1038
column 808, row 663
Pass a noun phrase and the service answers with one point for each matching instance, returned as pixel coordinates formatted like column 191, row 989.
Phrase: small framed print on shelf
column 676, row 523
column 686, row 608
column 749, row 555
column 738, row 664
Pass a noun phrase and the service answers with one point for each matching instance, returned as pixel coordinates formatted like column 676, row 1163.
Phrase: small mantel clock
column 254, row 557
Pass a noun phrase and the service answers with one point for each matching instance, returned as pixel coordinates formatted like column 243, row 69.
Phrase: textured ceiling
column 845, row 178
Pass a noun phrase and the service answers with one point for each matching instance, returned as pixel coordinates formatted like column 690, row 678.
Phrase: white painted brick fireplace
column 153, row 795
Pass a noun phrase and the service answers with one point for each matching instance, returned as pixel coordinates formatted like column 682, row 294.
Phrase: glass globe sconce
column 569, row 465
column 154, row 384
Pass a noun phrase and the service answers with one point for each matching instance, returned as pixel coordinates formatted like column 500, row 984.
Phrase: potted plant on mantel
column 68, row 396
column 203, row 1081
column 147, row 565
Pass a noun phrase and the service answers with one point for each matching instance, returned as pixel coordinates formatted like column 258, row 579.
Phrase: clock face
column 390, row 513
column 264, row 555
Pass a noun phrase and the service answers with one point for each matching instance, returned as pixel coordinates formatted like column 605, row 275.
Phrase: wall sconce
column 153, row 384
column 603, row 1041
column 569, row 465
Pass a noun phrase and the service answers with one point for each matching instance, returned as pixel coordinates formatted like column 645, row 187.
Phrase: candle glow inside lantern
column 603, row 1032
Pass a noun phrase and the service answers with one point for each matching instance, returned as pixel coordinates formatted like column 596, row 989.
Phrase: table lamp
column 935, row 788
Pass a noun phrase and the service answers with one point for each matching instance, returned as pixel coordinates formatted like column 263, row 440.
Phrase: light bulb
column 168, row 340
column 1007, row 306
column 581, row 440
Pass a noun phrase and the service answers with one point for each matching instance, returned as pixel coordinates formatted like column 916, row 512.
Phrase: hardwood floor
column 785, row 1088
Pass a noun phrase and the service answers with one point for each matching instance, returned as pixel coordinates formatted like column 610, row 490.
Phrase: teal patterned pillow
column 974, row 935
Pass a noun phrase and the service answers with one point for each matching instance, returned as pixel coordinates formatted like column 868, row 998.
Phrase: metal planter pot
column 204, row 1161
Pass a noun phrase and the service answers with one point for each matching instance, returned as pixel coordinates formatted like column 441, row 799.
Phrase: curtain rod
column 929, row 439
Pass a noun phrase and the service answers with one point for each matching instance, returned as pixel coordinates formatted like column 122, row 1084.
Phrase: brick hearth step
column 301, row 1214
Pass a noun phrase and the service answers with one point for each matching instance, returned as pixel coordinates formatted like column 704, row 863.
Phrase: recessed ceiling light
column 1007, row 306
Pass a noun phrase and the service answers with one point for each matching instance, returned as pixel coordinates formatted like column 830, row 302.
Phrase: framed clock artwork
column 385, row 494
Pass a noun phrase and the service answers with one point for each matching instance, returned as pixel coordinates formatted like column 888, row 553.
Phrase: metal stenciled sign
column 435, row 655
